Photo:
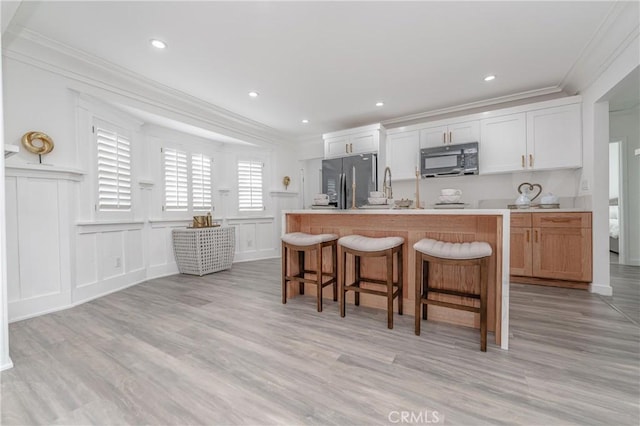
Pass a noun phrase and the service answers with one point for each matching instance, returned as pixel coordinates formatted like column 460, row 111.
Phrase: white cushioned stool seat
column 445, row 250
column 360, row 243
column 302, row 239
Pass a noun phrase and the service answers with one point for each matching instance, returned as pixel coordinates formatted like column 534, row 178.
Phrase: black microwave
column 449, row 160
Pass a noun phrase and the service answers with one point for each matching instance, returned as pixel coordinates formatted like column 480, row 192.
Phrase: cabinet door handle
column 535, row 234
column 444, row 137
column 528, row 235
column 523, row 162
column 450, row 137
column 351, row 148
column 530, row 160
column 346, row 148
column 558, row 219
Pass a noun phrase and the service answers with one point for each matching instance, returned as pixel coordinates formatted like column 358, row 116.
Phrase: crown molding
column 30, row 47
column 472, row 105
column 618, row 30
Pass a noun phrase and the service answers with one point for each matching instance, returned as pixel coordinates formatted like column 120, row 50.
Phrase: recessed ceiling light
column 305, row 121
column 490, row 77
column 379, row 104
column 158, row 44
column 253, row 94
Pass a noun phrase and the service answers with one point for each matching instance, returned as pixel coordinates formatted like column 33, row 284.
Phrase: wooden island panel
column 445, row 227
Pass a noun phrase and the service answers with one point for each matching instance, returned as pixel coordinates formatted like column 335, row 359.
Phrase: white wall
column 614, row 170
column 625, row 127
column 5, row 360
column 61, row 252
column 492, row 191
column 595, row 171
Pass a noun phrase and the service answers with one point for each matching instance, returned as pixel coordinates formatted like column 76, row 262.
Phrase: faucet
column 386, row 186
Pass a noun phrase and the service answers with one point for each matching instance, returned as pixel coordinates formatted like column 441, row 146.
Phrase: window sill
column 248, row 218
column 283, row 193
column 44, row 171
column 109, row 226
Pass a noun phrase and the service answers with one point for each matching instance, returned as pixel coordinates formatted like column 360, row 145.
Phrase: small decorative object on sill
column 204, row 221
column 37, row 143
column 286, row 181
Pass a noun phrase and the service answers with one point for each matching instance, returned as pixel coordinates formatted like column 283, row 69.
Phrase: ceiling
column 330, row 62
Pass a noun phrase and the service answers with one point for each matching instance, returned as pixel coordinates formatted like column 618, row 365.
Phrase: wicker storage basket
column 201, row 251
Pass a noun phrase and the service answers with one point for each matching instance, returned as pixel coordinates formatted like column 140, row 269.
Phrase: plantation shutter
column 250, row 186
column 201, row 182
column 176, row 192
column 114, row 169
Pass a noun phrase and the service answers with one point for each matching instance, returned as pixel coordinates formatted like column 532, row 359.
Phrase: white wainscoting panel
column 264, row 236
column 157, row 247
column 13, row 259
column 162, row 261
column 110, row 254
column 86, row 259
column 255, row 238
column 39, row 262
column 133, row 250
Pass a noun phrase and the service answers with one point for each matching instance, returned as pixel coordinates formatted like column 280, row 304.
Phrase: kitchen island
column 491, row 226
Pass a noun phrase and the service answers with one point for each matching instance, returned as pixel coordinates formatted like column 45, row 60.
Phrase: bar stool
column 460, row 254
column 302, row 243
column 359, row 247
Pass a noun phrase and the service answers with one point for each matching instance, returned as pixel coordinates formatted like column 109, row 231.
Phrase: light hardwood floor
column 222, row 349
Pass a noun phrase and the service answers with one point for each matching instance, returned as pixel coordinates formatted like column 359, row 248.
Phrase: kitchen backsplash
column 495, row 191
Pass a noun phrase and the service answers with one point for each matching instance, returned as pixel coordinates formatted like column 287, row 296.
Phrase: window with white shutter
column 114, row 168
column 201, row 182
column 250, row 186
column 176, row 190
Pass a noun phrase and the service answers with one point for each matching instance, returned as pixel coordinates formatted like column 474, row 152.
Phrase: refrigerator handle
column 374, row 169
column 343, row 191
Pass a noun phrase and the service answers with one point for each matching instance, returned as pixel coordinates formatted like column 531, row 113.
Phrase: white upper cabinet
column 336, row 147
column 554, row 138
column 360, row 140
column 467, row 131
column 540, row 139
column 433, row 136
column 503, row 143
column 403, row 150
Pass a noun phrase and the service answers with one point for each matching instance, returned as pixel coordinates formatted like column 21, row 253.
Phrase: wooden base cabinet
column 551, row 249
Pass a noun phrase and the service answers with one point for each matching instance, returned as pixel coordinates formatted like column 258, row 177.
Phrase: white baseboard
column 604, row 290
column 256, row 255
column 7, row 365
column 39, row 305
column 24, row 310
column 159, row 271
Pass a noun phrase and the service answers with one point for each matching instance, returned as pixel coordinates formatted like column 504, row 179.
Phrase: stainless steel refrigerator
column 337, row 179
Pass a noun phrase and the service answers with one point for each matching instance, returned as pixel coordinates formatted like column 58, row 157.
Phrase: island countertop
column 483, row 212
column 456, row 225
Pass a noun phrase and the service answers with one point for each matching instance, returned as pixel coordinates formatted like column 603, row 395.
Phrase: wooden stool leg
column 389, row 256
column 357, row 278
column 418, row 292
column 301, row 270
column 400, row 282
column 425, row 287
column 343, row 293
column 284, row 273
column 319, row 276
column 334, row 270
column 483, row 303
